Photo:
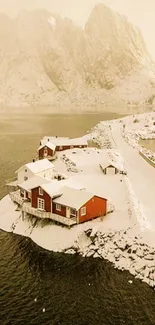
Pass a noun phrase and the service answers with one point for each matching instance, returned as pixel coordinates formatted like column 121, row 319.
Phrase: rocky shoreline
column 125, row 251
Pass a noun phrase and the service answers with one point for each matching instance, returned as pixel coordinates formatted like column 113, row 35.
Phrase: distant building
column 47, row 151
column 50, row 145
column 43, row 168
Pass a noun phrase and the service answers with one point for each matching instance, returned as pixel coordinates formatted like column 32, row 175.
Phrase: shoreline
column 128, row 244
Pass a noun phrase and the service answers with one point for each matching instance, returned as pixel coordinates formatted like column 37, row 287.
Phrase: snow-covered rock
column 47, row 60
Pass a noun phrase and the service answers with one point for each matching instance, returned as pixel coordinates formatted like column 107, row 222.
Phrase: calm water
column 148, row 144
column 73, row 290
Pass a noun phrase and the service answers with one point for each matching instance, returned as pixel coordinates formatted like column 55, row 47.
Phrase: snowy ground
column 125, row 237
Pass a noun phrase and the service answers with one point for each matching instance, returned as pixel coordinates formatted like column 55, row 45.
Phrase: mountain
column 49, row 61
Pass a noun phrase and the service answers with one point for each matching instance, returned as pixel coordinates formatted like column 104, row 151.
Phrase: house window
column 73, row 212
column 25, row 178
column 58, row 207
column 41, row 204
column 25, row 170
column 61, row 148
column 83, row 211
column 41, row 192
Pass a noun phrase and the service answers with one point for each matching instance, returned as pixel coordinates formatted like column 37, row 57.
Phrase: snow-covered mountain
column 49, row 61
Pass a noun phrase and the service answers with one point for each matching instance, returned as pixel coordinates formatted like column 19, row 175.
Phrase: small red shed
column 46, row 150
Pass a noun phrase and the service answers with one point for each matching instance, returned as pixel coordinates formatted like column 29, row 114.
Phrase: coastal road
column 140, row 173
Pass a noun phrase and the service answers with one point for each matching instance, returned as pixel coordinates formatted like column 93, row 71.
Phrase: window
column 58, row 207
column 25, row 178
column 25, row 170
column 83, row 211
column 61, row 148
column 41, row 204
column 41, row 192
column 73, row 212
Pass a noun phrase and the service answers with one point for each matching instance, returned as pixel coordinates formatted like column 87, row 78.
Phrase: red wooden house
column 50, row 145
column 79, row 204
column 46, row 150
column 66, row 202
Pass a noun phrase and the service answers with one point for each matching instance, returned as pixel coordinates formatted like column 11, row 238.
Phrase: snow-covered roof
column 78, row 141
column 38, row 166
column 56, row 186
column 73, row 198
column 60, row 141
column 53, row 188
column 107, row 164
column 33, row 182
column 47, row 144
column 53, row 140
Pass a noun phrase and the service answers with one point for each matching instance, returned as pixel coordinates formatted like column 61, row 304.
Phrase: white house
column 43, row 168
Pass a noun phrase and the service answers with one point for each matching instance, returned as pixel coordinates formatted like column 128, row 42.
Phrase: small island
column 92, row 196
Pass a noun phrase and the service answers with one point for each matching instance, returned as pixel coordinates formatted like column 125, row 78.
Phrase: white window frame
column 41, row 204
column 58, row 207
column 83, row 211
column 41, row 192
column 72, row 212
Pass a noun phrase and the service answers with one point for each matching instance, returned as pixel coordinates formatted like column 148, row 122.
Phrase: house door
column 110, row 171
column 67, row 212
column 45, row 152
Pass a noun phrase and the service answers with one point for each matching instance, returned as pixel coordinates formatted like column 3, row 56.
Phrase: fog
column 140, row 12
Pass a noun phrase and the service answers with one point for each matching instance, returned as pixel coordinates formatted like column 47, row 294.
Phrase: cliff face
column 46, row 60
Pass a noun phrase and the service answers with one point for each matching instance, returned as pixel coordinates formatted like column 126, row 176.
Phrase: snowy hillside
column 49, row 61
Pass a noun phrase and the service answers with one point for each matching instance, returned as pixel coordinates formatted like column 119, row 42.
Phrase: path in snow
column 141, row 175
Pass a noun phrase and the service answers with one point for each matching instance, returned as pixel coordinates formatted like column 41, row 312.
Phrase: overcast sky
column 140, row 12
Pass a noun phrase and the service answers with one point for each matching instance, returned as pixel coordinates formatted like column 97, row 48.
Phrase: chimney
column 48, row 139
column 40, row 143
column 33, row 160
column 56, row 136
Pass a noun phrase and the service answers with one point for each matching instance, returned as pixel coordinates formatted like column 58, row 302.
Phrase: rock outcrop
column 49, row 61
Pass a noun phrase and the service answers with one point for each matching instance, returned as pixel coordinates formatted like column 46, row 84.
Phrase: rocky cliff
column 49, row 61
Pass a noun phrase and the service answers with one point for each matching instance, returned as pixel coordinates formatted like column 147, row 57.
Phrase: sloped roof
column 33, row 182
column 38, row 166
column 47, row 144
column 73, row 198
column 56, row 186
column 53, row 188
column 60, row 141
column 107, row 164
column 53, row 140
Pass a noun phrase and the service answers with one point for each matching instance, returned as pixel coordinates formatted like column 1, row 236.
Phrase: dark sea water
column 38, row 287
column 148, row 144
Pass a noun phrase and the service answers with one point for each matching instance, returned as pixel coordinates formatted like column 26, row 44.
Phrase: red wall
column 69, row 147
column 95, row 207
column 41, row 152
column 45, row 197
column 60, row 213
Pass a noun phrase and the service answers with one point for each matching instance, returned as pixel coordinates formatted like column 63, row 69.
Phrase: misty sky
column 140, row 12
